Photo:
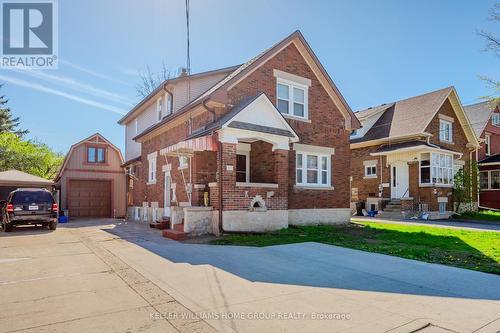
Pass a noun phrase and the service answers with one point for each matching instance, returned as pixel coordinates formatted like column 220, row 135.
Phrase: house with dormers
column 254, row 147
column 405, row 156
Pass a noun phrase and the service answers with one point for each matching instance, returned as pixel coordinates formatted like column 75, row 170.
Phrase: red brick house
column 485, row 119
column 404, row 157
column 264, row 145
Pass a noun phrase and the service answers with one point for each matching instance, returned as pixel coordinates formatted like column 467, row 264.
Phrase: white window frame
column 291, row 85
column 159, row 107
column 368, row 173
column 489, row 188
column 442, row 130
column 170, row 104
column 434, row 170
column 495, row 119
column 303, row 169
column 136, row 126
column 152, row 168
column 487, row 144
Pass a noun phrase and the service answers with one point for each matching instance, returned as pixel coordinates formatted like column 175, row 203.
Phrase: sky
column 375, row 51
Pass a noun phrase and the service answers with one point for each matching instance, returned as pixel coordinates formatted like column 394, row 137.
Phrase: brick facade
column 368, row 187
column 325, row 127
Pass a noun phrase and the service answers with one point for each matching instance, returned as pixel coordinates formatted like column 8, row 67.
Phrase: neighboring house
column 14, row 179
column 485, row 119
column 405, row 156
column 267, row 143
column 91, row 179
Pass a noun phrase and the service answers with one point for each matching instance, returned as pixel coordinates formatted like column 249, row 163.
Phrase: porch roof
column 490, row 160
column 189, row 146
column 411, row 146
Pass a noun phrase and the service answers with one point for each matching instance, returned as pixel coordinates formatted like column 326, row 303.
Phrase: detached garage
column 92, row 181
column 13, row 179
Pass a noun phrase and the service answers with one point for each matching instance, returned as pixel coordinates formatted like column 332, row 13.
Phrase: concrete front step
column 174, row 234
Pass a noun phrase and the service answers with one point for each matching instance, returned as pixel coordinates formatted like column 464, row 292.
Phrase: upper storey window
column 292, row 94
column 292, row 98
column 159, row 109
column 445, row 131
column 95, row 155
column 495, row 119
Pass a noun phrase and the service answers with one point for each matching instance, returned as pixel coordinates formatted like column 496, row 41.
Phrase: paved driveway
column 295, row 288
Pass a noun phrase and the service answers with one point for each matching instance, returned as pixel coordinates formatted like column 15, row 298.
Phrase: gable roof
column 173, row 80
column 219, row 90
column 99, row 138
column 411, row 116
column 479, row 114
column 16, row 178
column 230, row 120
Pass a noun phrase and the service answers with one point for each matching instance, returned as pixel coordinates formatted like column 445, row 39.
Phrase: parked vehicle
column 29, row 206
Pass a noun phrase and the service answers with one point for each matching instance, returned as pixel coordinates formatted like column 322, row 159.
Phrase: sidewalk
column 454, row 224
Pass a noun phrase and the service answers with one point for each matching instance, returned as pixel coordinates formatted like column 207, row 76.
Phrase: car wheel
column 7, row 227
column 53, row 225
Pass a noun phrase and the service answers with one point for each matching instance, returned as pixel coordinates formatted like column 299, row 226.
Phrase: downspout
column 221, row 229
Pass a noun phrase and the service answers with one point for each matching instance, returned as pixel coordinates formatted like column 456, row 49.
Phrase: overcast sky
column 375, row 51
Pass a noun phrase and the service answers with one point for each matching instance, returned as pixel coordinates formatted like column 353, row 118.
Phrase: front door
column 399, row 180
column 166, row 195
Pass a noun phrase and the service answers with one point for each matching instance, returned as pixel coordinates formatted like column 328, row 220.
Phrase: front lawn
column 482, row 215
column 476, row 250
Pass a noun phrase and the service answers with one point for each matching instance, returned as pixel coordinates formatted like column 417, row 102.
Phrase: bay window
column 313, row 169
column 291, row 98
column 436, row 168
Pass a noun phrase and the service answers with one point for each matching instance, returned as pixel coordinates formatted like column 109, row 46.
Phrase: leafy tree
column 465, row 187
column 29, row 156
column 7, row 122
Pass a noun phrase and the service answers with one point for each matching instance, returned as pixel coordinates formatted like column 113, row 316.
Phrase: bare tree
column 149, row 80
column 492, row 44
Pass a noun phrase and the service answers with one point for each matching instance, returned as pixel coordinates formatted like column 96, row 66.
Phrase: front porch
column 419, row 181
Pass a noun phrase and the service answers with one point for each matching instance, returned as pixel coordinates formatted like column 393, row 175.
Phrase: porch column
column 281, row 166
column 228, row 155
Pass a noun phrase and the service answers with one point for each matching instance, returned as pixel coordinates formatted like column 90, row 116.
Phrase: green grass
column 482, row 215
column 476, row 250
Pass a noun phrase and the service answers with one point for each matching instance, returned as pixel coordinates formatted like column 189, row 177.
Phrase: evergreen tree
column 9, row 124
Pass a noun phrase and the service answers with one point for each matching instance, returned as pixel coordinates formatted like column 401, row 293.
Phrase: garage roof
column 19, row 178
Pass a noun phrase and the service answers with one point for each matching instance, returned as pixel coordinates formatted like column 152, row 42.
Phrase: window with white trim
column 159, row 106
column 183, row 162
column 136, row 126
column 371, row 170
column 152, row 169
column 495, row 119
column 170, row 103
column 313, row 169
column 436, row 168
column 487, row 144
column 489, row 180
column 291, row 98
column 445, row 131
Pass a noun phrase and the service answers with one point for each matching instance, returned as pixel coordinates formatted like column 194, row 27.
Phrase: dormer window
column 159, row 106
column 445, row 131
column 495, row 119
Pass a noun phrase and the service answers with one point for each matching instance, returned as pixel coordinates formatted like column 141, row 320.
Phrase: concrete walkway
column 107, row 276
column 479, row 226
column 355, row 291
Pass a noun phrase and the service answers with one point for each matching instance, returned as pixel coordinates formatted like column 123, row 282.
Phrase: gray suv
column 29, row 206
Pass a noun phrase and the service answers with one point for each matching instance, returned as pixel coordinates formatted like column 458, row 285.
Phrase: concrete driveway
column 294, row 288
